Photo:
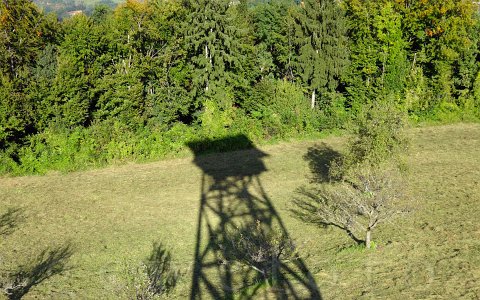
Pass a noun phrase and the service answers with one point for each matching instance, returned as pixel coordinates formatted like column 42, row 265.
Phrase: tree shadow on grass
column 310, row 203
column 243, row 248
column 48, row 263
column 321, row 158
column 161, row 273
column 10, row 220
column 307, row 207
column 155, row 276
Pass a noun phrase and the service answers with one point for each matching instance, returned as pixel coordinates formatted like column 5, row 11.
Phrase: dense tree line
column 138, row 81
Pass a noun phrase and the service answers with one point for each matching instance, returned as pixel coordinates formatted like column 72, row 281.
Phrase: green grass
column 108, row 220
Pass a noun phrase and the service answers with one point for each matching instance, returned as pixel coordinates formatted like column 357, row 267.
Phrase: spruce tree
column 213, row 44
column 274, row 37
column 321, row 45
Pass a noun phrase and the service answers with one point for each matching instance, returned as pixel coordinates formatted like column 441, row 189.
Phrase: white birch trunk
column 206, row 57
column 312, row 105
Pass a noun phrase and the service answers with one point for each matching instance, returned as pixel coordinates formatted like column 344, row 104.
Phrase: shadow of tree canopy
column 10, row 220
column 320, row 159
column 162, row 276
column 242, row 249
column 154, row 277
column 48, row 263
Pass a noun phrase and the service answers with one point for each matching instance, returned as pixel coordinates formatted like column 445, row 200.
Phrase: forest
column 64, row 8
column 140, row 81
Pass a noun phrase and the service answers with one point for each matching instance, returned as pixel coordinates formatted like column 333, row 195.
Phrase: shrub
column 282, row 108
column 154, row 277
column 365, row 183
column 379, row 139
column 263, row 250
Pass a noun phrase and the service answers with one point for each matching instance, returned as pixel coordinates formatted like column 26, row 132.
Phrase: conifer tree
column 274, row 37
column 213, row 44
column 322, row 48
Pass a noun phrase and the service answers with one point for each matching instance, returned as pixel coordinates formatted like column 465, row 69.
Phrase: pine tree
column 214, row 45
column 274, row 37
column 322, row 47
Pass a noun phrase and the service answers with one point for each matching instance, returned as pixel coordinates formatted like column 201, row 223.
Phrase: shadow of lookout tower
column 236, row 223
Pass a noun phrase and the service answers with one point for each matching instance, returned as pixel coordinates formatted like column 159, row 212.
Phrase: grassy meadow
column 81, row 234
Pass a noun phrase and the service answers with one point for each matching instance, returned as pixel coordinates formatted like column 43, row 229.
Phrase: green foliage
column 120, row 84
column 15, row 113
column 380, row 134
column 321, row 47
column 282, row 108
column 23, row 31
column 216, row 119
column 215, row 48
column 476, row 94
column 379, row 63
column 273, row 31
column 379, row 140
column 363, row 187
column 418, row 95
column 444, row 40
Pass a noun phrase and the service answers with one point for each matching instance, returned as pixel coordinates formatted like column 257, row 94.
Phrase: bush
column 263, row 250
column 282, row 108
column 365, row 184
column 379, row 139
column 52, row 150
column 357, row 206
column 153, row 278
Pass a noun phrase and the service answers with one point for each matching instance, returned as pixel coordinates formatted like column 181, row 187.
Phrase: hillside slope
column 65, row 8
column 105, row 221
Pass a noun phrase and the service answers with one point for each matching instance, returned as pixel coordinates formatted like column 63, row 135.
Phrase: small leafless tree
column 357, row 206
column 153, row 278
column 260, row 249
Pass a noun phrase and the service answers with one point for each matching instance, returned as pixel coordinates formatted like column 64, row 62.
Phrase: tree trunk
column 313, row 99
column 207, row 57
column 368, row 239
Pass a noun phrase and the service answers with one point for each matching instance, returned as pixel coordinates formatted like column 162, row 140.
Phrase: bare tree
column 153, row 278
column 357, row 206
column 260, row 248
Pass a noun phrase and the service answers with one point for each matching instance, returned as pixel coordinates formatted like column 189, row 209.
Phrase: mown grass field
column 102, row 223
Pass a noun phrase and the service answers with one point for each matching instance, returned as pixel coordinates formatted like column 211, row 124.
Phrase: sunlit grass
column 111, row 217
